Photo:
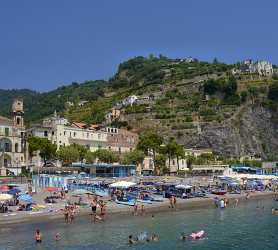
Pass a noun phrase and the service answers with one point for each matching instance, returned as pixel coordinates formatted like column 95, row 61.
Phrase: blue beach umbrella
column 14, row 191
column 25, row 198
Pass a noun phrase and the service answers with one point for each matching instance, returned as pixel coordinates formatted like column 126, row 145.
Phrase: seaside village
column 33, row 184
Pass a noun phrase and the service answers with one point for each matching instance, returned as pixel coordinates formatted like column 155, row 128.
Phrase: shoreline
column 114, row 211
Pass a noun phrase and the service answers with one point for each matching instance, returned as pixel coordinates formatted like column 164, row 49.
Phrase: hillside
column 198, row 103
column 38, row 105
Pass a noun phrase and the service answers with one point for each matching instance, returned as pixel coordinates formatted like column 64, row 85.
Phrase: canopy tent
column 5, row 197
column 25, row 198
column 182, row 186
column 122, row 184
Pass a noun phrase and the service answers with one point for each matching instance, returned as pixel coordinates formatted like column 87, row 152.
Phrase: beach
column 54, row 213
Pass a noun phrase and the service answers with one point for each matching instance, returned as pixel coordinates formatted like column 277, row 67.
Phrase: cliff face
column 250, row 132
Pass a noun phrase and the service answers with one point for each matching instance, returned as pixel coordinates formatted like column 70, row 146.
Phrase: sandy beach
column 54, row 213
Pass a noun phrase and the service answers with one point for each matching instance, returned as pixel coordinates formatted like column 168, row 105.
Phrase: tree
column 160, row 164
column 150, row 141
column 179, row 154
column 106, row 156
column 135, row 157
column 171, row 150
column 81, row 150
column 47, row 150
column 90, row 157
column 68, row 154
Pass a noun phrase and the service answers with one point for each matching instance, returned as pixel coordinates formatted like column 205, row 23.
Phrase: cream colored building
column 13, row 145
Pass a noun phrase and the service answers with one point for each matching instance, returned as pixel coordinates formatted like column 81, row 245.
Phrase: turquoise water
column 245, row 227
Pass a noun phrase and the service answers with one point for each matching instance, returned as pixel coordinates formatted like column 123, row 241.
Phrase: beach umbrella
column 4, row 188
column 25, row 198
column 14, row 191
column 181, row 186
column 50, row 189
column 81, row 192
column 123, row 184
column 5, row 197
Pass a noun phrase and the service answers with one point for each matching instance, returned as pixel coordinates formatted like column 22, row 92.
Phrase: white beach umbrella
column 123, row 184
column 5, row 197
column 181, row 186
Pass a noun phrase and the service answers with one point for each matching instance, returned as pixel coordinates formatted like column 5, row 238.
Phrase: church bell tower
column 18, row 113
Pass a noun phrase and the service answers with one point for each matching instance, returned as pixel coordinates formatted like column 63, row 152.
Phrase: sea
column 250, row 226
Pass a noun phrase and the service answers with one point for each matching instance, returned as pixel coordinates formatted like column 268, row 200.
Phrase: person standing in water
column 38, row 236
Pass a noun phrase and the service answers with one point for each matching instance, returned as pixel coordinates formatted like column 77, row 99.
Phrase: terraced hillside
column 198, row 103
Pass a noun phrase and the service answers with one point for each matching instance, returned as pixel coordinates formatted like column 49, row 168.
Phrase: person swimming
column 193, row 236
column 38, row 236
column 131, row 240
column 152, row 237
column 57, row 237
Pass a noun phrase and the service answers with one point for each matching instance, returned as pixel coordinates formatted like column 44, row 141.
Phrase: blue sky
column 45, row 44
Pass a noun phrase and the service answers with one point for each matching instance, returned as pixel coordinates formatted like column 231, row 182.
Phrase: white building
column 176, row 166
column 263, row 68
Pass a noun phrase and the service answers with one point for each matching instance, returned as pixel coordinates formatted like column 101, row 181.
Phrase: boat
column 219, row 192
column 127, row 203
column 101, row 193
column 144, row 201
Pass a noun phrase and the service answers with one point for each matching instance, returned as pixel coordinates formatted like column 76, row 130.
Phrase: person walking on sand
column 236, row 202
column 143, row 210
column 171, row 200
column 175, row 202
column 94, row 210
column 66, row 214
column 135, row 209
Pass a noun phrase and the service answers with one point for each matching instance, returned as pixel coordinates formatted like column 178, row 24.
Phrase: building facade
column 92, row 137
column 13, row 145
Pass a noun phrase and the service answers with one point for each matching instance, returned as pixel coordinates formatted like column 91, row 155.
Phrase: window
column 74, row 134
column 7, row 131
column 120, row 149
column 16, row 147
column 7, row 147
column 45, row 133
column 52, row 132
column 98, row 135
column 21, row 158
column 18, row 120
column 173, row 162
column 65, row 132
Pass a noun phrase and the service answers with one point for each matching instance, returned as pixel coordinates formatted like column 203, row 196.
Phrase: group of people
column 69, row 213
column 143, row 237
column 136, row 210
column 95, row 203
